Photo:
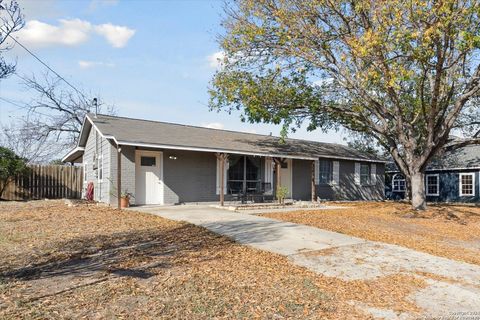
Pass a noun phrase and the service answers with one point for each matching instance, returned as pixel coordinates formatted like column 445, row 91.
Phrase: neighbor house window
column 364, row 174
column 432, row 182
column 467, row 184
column 325, row 168
column 398, row 183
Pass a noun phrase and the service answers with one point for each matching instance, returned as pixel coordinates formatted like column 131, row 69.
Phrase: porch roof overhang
column 74, row 155
column 170, row 136
column 215, row 150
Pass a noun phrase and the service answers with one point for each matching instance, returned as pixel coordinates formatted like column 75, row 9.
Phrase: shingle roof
column 465, row 157
column 462, row 158
column 146, row 132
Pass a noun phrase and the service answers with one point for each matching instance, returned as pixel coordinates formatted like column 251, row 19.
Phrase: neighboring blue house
column 451, row 177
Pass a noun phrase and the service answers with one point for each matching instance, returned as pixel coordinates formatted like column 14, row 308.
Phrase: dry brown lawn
column 95, row 262
column 443, row 230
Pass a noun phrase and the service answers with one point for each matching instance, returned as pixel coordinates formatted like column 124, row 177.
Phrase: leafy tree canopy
column 10, row 166
column 403, row 72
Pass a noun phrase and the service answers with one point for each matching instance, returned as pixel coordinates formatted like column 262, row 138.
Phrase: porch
column 165, row 177
column 257, row 179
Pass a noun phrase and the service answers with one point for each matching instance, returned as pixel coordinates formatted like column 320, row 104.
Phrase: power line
column 11, row 102
column 45, row 64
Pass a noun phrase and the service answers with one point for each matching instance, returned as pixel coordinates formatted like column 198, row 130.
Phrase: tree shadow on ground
column 125, row 254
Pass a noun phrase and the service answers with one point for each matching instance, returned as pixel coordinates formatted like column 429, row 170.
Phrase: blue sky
column 151, row 59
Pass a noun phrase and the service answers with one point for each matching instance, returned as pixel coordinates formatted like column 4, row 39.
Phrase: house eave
column 442, row 169
column 187, row 148
column 74, row 155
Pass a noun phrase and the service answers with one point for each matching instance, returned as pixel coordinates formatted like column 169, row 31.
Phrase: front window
column 325, row 168
column 244, row 174
column 364, row 174
column 398, row 183
column 432, row 184
column 467, row 184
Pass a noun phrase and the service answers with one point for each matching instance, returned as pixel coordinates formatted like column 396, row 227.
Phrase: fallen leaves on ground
column 449, row 231
column 96, row 262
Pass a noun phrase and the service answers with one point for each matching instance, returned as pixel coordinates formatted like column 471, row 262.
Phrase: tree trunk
column 408, row 188
column 419, row 201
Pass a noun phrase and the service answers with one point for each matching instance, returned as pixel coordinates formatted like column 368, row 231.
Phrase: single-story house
column 166, row 163
column 452, row 176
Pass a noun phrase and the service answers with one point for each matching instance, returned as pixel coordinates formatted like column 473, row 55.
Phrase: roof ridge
column 225, row 130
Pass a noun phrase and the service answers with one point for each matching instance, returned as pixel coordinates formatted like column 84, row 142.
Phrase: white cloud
column 67, row 33
column 71, row 33
column 84, row 64
column 213, row 125
column 215, row 60
column 117, row 36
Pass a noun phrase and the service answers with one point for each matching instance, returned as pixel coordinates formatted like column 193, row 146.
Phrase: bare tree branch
column 52, row 122
column 11, row 20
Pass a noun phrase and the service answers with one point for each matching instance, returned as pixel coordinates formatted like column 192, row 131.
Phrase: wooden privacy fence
column 46, row 181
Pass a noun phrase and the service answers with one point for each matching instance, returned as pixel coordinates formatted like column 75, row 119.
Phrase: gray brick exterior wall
column 191, row 177
column 97, row 149
column 345, row 190
column 128, row 172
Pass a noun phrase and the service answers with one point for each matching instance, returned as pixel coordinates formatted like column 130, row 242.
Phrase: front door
column 286, row 176
column 149, row 177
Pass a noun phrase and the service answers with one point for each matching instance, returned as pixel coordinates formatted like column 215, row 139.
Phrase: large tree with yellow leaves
column 404, row 72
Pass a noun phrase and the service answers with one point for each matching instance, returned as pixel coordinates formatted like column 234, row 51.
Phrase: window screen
column 364, row 174
column 148, row 161
column 325, row 168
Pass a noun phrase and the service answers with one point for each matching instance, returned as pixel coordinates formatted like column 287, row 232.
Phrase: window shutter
column 217, row 187
column 373, row 174
column 225, row 175
column 269, row 174
column 217, row 178
column 357, row 173
column 336, row 172
column 317, row 171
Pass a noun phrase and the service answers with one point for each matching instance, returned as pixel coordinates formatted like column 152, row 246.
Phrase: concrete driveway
column 348, row 258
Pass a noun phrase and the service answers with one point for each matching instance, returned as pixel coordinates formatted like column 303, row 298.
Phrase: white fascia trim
column 433, row 170
column 150, row 145
column 438, row 184
column 353, row 159
column 98, row 130
column 81, row 130
column 72, row 152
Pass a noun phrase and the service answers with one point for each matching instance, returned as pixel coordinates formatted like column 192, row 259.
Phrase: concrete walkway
column 348, row 258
